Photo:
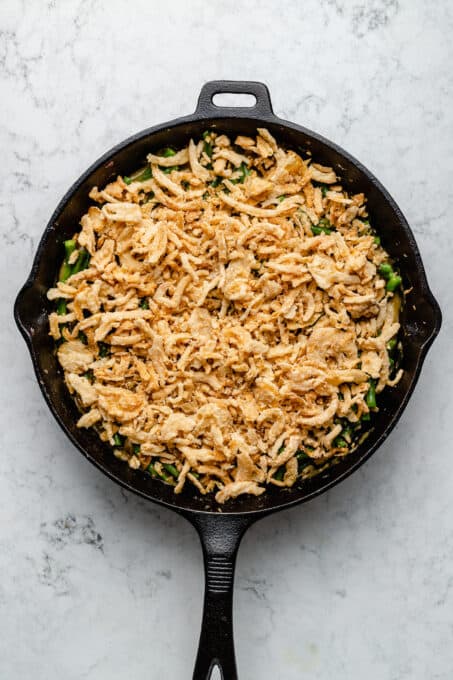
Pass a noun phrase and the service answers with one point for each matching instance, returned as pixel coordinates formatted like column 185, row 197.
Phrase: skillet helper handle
column 262, row 107
column 220, row 537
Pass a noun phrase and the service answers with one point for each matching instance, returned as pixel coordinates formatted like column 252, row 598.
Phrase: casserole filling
column 227, row 317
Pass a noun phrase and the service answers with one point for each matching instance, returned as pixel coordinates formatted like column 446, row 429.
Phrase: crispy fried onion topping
column 230, row 319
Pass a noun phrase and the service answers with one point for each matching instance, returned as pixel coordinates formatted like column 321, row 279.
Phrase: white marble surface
column 96, row 584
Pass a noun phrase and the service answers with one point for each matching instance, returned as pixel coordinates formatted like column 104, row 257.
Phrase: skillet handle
column 220, row 537
column 262, row 107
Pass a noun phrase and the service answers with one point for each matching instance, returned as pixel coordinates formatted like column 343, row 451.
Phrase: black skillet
column 221, row 531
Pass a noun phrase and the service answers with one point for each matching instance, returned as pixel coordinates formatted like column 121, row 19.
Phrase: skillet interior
column 420, row 318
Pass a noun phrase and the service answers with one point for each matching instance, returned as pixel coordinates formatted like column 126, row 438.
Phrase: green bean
column 89, row 375
column 316, row 231
column 340, row 443
column 104, row 350
column 386, row 270
column 171, row 469
column 167, row 153
column 61, row 307
column 118, row 440
column 207, row 148
column 323, row 227
column 392, row 344
column 393, row 283
column 280, row 473
column 168, row 171
column 366, row 417
column 302, row 460
column 66, row 269
column 69, row 247
column 186, row 185
column 206, row 134
column 82, row 337
column 65, row 272
column 244, row 172
column 371, row 395
column 377, row 240
column 82, row 261
column 346, row 432
column 324, row 223
column 136, row 449
column 281, row 198
column 324, row 188
column 144, row 303
column 152, row 470
column 145, row 175
column 216, row 182
column 139, row 176
column 154, row 473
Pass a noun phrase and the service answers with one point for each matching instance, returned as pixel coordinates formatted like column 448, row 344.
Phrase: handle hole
column 216, row 674
column 234, row 100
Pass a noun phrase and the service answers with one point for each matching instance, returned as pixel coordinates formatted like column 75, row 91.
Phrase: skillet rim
column 225, row 114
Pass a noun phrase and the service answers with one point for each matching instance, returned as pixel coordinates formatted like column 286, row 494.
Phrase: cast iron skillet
column 221, row 532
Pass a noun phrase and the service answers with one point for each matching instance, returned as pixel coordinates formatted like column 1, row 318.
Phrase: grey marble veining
column 98, row 584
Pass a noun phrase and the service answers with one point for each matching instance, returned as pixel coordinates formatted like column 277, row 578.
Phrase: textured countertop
column 96, row 584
